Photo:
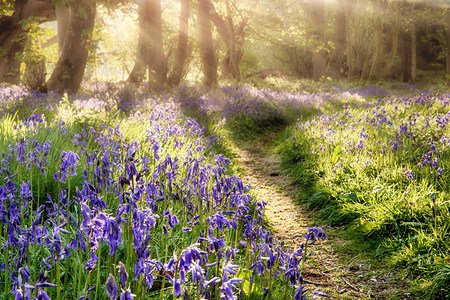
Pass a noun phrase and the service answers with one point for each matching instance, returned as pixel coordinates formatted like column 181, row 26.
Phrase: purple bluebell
column 111, row 287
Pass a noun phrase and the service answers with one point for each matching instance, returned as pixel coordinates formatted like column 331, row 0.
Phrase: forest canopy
column 54, row 45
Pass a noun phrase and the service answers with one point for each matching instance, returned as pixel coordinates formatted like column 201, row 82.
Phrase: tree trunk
column 10, row 50
column 405, row 41
column 137, row 74
column 180, row 58
column 448, row 46
column 319, row 54
column 209, row 62
column 69, row 69
column 375, row 71
column 11, row 31
column 62, row 24
column 337, row 57
column 235, row 52
column 157, row 76
column 393, row 52
column 413, row 52
column 349, row 5
column 232, row 37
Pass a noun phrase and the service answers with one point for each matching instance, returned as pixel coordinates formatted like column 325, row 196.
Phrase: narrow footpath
column 350, row 277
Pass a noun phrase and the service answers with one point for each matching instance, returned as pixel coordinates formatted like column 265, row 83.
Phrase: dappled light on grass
column 381, row 167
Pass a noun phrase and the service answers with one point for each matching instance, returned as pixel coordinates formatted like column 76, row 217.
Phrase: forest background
column 43, row 42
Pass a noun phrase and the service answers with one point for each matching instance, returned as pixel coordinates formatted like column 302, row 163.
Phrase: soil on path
column 342, row 278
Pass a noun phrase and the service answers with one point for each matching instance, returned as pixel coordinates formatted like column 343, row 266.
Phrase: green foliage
column 377, row 175
column 6, row 7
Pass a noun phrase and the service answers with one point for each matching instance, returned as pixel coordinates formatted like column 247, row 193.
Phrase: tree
column 209, row 62
column 156, row 58
column 69, row 69
column 181, row 53
column 231, row 35
column 379, row 68
column 139, row 70
column 413, row 50
column 62, row 23
column 13, row 35
column 150, row 53
column 448, row 45
column 319, row 54
column 340, row 32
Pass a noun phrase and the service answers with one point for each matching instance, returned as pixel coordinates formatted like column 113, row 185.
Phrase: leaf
column 353, row 197
column 245, row 275
column 413, row 224
column 336, row 154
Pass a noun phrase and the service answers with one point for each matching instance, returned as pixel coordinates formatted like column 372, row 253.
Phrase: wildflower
column 123, row 275
column 410, row 175
column 111, row 287
column 314, row 234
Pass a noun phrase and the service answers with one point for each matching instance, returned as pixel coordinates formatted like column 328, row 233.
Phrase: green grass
column 339, row 159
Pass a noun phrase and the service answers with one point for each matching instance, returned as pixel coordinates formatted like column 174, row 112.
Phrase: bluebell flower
column 123, row 275
column 111, row 287
column 314, row 234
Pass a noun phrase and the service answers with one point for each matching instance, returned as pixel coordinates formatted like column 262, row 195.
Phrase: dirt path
column 342, row 278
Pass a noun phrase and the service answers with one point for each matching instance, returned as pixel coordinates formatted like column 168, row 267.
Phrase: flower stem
column 58, row 273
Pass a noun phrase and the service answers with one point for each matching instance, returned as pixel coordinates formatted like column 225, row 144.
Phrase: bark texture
column 69, row 69
column 11, row 33
column 181, row 54
column 209, row 62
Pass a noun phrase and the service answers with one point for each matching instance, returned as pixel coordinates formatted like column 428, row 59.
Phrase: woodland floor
column 335, row 266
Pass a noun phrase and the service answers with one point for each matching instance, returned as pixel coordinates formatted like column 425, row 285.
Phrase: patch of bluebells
column 378, row 160
column 396, row 124
column 118, row 196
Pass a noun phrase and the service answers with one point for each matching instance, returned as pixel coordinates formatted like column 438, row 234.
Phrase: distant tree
column 209, row 62
column 69, row 70
column 231, row 34
column 150, row 53
column 340, row 35
column 13, row 32
column 319, row 54
column 181, row 52
column 156, row 58
column 138, row 73
column 448, row 45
